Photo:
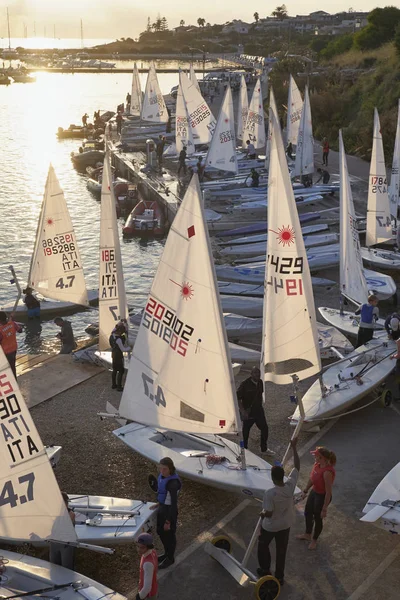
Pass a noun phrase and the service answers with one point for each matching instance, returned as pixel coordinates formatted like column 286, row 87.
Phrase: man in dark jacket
column 250, row 398
column 66, row 336
column 118, row 344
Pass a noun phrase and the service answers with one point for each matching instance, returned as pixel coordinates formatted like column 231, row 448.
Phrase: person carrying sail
column 148, row 586
column 118, row 344
column 250, row 399
column 8, row 339
column 32, row 304
column 369, row 315
column 169, row 485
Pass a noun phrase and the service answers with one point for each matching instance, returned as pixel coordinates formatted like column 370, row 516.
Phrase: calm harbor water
column 31, row 114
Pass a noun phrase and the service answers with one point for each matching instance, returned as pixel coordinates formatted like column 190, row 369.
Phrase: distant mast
column 9, row 34
column 82, row 44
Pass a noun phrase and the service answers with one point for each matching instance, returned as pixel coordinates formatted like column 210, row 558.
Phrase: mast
column 8, row 27
column 82, row 44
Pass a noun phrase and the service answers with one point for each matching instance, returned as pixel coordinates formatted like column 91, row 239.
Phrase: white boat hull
column 383, row 507
column 262, row 237
column 342, row 388
column 51, row 308
column 24, row 574
column 381, row 259
column 189, row 453
column 347, row 322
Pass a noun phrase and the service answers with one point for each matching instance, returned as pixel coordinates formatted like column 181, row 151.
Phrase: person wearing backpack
column 118, row 344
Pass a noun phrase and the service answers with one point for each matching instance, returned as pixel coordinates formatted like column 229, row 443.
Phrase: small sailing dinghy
column 22, row 575
column 394, row 187
column 153, row 107
column 180, row 392
column 32, row 508
column 222, row 151
column 243, row 109
column 294, row 110
column 379, row 223
column 354, row 280
column 368, row 366
column 136, row 94
column 254, row 130
column 383, row 507
column 56, row 267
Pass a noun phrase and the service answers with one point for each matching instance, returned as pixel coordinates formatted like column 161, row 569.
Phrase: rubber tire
column 267, row 588
column 386, row 397
column 222, row 542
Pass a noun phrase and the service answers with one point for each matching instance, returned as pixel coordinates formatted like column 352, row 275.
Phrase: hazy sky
column 123, row 18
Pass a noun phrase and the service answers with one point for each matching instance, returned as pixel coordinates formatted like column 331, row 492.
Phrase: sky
column 127, row 18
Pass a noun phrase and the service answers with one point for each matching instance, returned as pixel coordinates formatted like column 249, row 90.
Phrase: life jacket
column 153, row 559
column 9, row 340
column 367, row 312
column 162, row 486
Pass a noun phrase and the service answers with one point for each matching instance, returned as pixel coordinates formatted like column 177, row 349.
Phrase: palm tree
column 280, row 12
column 201, row 22
column 181, row 23
column 256, row 17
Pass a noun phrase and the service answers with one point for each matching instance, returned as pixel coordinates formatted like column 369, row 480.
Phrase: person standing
column 119, row 120
column 320, row 483
column 255, row 178
column 8, row 339
column 160, row 149
column 251, row 151
column 182, row 161
column 369, row 315
column 118, row 344
column 169, row 485
column 277, row 517
column 289, row 150
column 63, row 554
column 32, row 304
column 66, row 336
column 148, row 586
column 325, row 151
column 84, row 119
column 250, row 398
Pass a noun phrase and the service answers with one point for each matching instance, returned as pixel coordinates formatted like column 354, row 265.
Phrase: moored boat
column 146, row 219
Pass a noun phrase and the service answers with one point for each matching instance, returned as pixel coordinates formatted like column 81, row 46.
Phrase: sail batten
column 222, row 151
column 304, row 163
column 254, row 130
column 353, row 284
column 112, row 296
column 379, row 226
column 153, row 108
column 56, row 267
column 31, row 507
column 290, row 336
column 180, row 375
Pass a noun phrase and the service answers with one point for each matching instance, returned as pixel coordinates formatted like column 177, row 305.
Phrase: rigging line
column 343, row 414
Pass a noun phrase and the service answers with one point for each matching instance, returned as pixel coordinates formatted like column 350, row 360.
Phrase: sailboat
column 32, row 509
column 136, row 94
column 243, row 109
column 382, row 508
column 273, row 108
column 180, row 395
column 112, row 297
column 304, row 163
column 222, row 151
column 290, row 346
column 379, row 223
column 294, row 111
column 362, row 371
column 153, row 108
column 394, row 187
column 193, row 78
column 183, row 132
column 254, row 130
column 201, row 120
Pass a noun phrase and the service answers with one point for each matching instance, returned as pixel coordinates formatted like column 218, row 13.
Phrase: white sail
column 180, row 376
column 273, row 108
column 112, row 297
column 254, row 130
column 153, row 108
column 290, row 335
column 56, row 266
column 352, row 279
column 304, row 164
column 183, row 133
column 243, row 108
column 136, row 94
column 394, row 187
column 201, row 120
column 379, row 226
column 294, row 110
column 31, row 505
column 222, row 151
column 193, row 78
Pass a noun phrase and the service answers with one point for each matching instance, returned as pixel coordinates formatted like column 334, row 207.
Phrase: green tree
column 397, row 39
column 256, row 17
column 280, row 12
column 201, row 22
column 164, row 24
column 181, row 23
column 382, row 23
column 340, row 45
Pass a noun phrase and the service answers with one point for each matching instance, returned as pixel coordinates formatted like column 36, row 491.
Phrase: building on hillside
column 236, row 26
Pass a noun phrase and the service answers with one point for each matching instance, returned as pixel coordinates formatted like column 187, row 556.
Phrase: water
column 30, row 116
column 40, row 43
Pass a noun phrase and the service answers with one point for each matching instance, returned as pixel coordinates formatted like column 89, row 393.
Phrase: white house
column 236, row 26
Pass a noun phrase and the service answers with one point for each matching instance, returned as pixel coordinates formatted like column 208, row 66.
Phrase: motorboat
column 146, row 219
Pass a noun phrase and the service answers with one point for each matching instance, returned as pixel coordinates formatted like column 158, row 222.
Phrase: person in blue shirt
column 369, row 313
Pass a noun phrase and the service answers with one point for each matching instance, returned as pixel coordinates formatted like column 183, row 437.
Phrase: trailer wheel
column 386, row 397
column 222, row 542
column 267, row 588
